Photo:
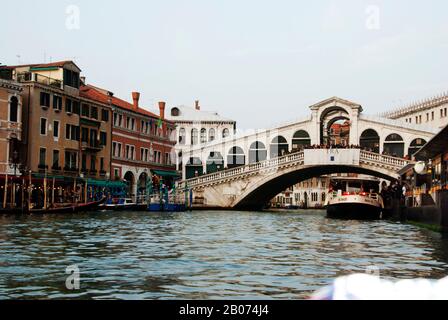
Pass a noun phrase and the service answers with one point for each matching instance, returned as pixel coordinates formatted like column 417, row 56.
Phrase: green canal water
column 205, row 255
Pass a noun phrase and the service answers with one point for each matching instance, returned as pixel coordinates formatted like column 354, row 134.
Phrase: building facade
column 432, row 111
column 10, row 124
column 142, row 142
column 67, row 136
column 195, row 127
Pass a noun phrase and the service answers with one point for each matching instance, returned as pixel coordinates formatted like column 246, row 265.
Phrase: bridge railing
column 383, row 159
column 255, row 167
column 366, row 156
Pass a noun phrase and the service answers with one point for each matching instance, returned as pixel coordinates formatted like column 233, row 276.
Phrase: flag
column 159, row 123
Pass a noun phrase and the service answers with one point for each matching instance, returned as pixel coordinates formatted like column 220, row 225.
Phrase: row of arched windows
column 200, row 136
column 258, row 151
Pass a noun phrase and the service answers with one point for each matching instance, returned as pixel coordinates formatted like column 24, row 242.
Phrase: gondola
column 83, row 207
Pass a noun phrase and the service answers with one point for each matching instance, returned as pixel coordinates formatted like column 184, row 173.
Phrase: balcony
column 34, row 77
column 92, row 146
column 71, row 170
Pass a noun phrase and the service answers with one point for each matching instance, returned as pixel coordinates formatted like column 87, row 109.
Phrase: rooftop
column 59, row 64
column 417, row 106
column 101, row 95
column 192, row 114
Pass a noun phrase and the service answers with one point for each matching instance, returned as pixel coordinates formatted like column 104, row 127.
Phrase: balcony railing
column 34, row 77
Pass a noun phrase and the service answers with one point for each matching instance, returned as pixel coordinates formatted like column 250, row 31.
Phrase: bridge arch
column 300, row 139
column 328, row 117
column 370, row 140
column 394, row 145
column 236, row 157
column 278, row 147
column 265, row 189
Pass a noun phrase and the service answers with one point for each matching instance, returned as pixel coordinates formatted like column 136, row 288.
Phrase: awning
column 164, row 173
column 106, row 184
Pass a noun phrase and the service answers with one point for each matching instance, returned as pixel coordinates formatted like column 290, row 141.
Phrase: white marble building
column 196, row 127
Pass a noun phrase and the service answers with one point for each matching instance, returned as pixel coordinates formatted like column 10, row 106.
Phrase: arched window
column 175, row 112
column 215, row 162
column 236, row 158
column 257, row 152
column 194, row 136
column 14, row 109
column 211, row 134
column 182, row 136
column 394, row 145
column 225, row 133
column 416, row 145
column 194, row 168
column 300, row 139
column 203, row 135
column 279, row 147
column 370, row 140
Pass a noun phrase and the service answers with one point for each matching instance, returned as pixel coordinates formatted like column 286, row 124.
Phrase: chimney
column 162, row 109
column 135, row 97
column 83, row 80
column 197, row 106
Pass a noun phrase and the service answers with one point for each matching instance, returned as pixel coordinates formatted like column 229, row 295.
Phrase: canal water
column 205, row 255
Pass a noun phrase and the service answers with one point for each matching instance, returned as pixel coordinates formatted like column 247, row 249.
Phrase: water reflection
column 205, row 255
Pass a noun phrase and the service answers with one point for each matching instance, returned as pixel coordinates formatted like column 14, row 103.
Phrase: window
column 105, row 115
column 93, row 163
column 45, row 99
column 71, row 78
column 182, row 136
column 76, row 107
column 70, row 160
column 225, row 133
column 115, row 119
column 102, row 164
column 203, row 135
column 94, row 113
column 55, row 159
column 194, row 136
column 43, row 126
column 84, row 135
column 128, row 122
column 84, row 162
column 427, row 117
column 103, row 138
column 85, row 110
column 93, row 138
column 441, row 113
column 116, row 149
column 211, row 134
column 13, row 109
column 432, row 116
column 42, row 157
column 56, row 129
column 68, row 105
column 57, row 103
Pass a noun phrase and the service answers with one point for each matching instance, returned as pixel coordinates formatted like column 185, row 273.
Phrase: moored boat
column 76, row 208
column 362, row 205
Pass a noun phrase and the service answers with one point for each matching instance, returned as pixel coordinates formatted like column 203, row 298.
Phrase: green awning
column 106, row 184
column 164, row 173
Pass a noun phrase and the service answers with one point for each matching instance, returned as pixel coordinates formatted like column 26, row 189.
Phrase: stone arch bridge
column 251, row 186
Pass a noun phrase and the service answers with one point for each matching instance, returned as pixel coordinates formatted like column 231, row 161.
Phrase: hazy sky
column 258, row 62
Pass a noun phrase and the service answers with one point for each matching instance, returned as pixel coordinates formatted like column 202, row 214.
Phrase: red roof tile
column 91, row 93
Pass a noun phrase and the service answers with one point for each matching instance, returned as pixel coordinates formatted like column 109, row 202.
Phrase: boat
column 82, row 207
column 122, row 204
column 354, row 203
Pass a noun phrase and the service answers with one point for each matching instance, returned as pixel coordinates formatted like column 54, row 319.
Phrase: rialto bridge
column 247, row 170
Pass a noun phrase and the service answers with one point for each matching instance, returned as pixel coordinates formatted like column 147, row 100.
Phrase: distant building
column 433, row 111
column 195, row 127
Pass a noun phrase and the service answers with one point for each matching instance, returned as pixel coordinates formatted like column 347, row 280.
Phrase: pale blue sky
column 258, row 62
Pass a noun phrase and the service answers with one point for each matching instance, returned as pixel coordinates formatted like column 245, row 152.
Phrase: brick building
column 142, row 142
